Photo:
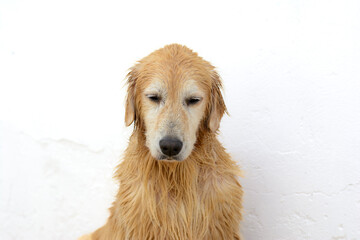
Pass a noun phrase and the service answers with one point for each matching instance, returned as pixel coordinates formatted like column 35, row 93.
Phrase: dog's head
column 173, row 94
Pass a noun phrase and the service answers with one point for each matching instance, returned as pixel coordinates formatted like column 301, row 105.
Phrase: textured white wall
column 291, row 71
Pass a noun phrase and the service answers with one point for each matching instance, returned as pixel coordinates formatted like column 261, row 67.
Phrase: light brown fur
column 197, row 198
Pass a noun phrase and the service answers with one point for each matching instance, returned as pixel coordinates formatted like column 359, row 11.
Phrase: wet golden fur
column 198, row 198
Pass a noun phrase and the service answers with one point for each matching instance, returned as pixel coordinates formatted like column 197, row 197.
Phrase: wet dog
column 176, row 179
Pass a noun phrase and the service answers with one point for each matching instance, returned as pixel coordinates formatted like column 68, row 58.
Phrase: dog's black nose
column 170, row 146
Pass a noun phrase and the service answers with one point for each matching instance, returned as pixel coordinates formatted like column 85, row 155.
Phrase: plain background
column 291, row 71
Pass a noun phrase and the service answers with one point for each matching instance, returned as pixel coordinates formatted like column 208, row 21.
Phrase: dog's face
column 172, row 94
column 172, row 113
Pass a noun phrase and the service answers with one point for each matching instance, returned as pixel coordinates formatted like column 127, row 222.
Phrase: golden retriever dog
column 176, row 180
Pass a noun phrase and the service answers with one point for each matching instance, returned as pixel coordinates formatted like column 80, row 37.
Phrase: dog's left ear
column 130, row 113
column 218, row 107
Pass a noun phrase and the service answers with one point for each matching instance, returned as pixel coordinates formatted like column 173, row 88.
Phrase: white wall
column 291, row 71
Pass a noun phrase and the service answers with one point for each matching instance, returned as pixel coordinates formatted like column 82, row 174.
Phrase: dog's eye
column 154, row 98
column 192, row 100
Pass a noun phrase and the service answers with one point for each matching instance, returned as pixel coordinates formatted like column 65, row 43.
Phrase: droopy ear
column 130, row 112
column 218, row 107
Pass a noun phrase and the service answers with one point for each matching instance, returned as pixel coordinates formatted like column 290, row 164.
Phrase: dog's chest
column 186, row 213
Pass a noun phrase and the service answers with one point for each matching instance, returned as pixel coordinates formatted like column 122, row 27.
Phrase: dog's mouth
column 170, row 159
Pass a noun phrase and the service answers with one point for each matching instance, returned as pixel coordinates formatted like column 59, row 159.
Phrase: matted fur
column 197, row 198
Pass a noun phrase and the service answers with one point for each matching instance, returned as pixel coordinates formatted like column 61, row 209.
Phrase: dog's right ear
column 130, row 113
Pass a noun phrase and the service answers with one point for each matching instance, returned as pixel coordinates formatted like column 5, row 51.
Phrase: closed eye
column 154, row 97
column 192, row 100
